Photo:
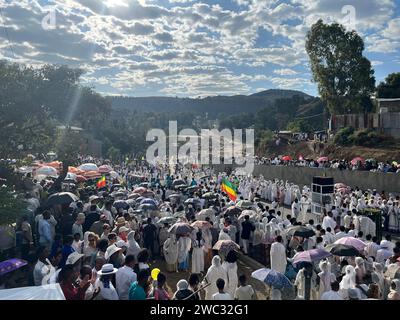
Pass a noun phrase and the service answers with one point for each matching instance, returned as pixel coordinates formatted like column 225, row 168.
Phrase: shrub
column 369, row 138
column 344, row 136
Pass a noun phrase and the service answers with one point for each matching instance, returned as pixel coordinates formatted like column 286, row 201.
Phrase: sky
column 190, row 48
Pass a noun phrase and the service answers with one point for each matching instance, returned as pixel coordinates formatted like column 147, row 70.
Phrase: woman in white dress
column 215, row 272
column 198, row 253
column 326, row 277
column 230, row 267
column 170, row 249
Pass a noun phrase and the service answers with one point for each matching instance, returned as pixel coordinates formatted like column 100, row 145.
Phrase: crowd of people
column 340, row 164
column 124, row 239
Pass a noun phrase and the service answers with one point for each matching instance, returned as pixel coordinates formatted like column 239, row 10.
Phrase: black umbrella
column 179, row 182
column 61, row 198
column 301, row 231
column 343, row 250
column 121, row 204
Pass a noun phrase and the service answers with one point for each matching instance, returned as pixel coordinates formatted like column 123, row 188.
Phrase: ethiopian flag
column 101, row 183
column 229, row 189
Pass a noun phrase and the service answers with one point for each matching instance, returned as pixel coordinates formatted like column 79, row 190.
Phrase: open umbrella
column 61, row 198
column 168, row 220
column 322, row 159
column 140, row 190
column 88, row 167
column 178, row 182
column 147, row 207
column 179, row 214
column 233, row 211
column 11, row 265
column 149, row 201
column 144, row 184
column 224, row 246
column 80, row 178
column 201, row 224
column 70, row 177
column 312, row 255
column 105, row 168
column 351, row 241
column 245, row 204
column 148, row 194
column 209, row 195
column 286, row 158
column 91, row 174
column 174, row 196
column 121, row 204
column 134, row 196
column 180, row 228
column 357, row 160
column 301, row 231
column 250, row 213
column 343, row 250
column 192, row 201
column 46, row 171
column 272, row 278
column 204, row 213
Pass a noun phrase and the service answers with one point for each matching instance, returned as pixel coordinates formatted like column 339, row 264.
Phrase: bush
column 369, row 138
column 344, row 136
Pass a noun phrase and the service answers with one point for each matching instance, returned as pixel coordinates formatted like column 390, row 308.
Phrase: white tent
column 46, row 292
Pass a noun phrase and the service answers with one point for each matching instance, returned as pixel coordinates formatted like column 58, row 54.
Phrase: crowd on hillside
column 108, row 241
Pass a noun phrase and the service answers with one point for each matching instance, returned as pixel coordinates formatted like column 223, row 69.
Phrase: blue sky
column 191, row 48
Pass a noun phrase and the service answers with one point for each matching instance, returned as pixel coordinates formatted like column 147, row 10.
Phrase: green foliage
column 12, row 206
column 345, row 77
column 299, row 126
column 391, row 87
column 365, row 138
column 344, row 136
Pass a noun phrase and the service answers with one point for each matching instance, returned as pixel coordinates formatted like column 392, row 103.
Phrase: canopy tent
column 46, row 292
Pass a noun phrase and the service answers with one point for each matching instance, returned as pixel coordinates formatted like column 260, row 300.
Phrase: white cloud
column 285, row 72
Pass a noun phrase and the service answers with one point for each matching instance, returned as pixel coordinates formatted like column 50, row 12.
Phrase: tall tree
column 391, row 87
column 344, row 76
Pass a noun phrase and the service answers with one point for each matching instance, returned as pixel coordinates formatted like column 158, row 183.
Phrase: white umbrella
column 46, row 171
column 88, row 167
column 113, row 174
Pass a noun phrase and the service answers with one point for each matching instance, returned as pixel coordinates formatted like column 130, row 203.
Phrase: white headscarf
column 349, row 280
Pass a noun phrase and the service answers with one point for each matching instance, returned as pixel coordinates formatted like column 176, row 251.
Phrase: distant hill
column 215, row 106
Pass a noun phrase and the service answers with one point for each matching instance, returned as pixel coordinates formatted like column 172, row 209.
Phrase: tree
column 391, row 87
column 344, row 76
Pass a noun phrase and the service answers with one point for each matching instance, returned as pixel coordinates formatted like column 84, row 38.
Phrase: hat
column 123, row 229
column 106, row 269
column 384, row 244
column 121, row 221
column 74, row 257
column 111, row 250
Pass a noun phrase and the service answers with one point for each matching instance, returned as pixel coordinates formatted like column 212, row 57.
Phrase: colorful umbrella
column 312, row 255
column 286, row 158
column 224, row 246
column 92, row 174
column 272, row 278
column 356, row 160
column 11, row 265
column 322, row 159
column 351, row 241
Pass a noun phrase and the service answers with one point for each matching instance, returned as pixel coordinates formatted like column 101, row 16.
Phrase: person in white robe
column 198, row 254
column 230, row 267
column 278, row 256
column 348, row 281
column 170, row 249
column 133, row 246
column 215, row 272
column 326, row 277
column 184, row 246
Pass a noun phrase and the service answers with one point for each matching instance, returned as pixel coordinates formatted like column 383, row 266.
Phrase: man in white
column 332, row 294
column 124, row 277
column 342, row 233
column 295, row 208
column 329, row 222
column 372, row 247
column 278, row 256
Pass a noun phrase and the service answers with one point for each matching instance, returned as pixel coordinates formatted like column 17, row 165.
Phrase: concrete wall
column 390, row 182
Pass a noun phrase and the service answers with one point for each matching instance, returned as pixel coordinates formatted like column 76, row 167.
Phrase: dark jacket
column 247, row 228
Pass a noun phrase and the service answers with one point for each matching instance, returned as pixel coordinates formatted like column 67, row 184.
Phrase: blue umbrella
column 147, row 206
column 11, row 265
column 148, row 201
column 272, row 278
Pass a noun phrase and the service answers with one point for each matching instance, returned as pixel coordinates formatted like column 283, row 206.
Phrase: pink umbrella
column 356, row 160
column 80, row 178
column 105, row 169
column 286, row 158
column 140, row 190
column 322, row 159
column 312, row 255
column 201, row 224
column 354, row 242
